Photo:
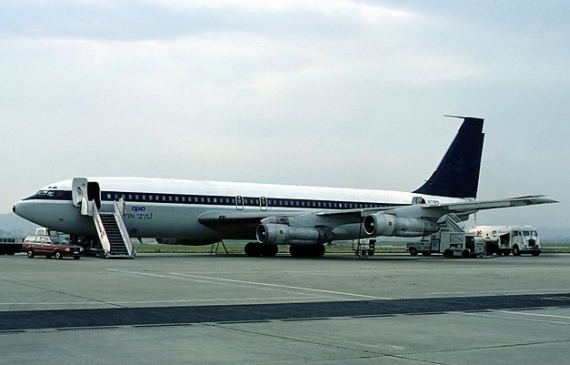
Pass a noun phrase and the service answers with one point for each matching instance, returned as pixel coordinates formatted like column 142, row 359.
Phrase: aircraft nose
column 19, row 209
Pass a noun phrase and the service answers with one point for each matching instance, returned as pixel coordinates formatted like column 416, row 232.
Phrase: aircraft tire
column 269, row 250
column 253, row 249
column 318, row 251
column 296, row 251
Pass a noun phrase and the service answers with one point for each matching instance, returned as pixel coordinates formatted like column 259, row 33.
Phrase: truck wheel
column 57, row 255
column 466, row 254
column 30, row 253
column 413, row 251
column 516, row 251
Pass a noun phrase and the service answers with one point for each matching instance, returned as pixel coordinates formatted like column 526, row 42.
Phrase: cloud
column 341, row 93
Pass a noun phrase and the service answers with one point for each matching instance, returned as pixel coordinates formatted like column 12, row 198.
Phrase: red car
column 48, row 246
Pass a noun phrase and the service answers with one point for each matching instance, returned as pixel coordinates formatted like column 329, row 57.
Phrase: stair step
column 111, row 227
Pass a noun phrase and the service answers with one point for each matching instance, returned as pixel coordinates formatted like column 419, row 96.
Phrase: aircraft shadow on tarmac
column 186, row 315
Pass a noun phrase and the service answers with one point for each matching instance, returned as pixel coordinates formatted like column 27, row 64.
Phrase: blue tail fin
column 457, row 175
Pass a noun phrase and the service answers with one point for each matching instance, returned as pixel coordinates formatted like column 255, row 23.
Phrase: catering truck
column 504, row 240
column 450, row 244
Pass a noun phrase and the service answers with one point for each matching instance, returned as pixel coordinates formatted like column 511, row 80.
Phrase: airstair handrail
column 123, row 229
column 101, row 230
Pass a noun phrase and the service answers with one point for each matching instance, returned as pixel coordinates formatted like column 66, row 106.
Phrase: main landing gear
column 256, row 249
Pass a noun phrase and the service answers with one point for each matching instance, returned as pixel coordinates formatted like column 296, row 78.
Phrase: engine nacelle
column 380, row 224
column 282, row 234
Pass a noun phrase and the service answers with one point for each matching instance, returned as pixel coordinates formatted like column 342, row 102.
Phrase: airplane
column 303, row 217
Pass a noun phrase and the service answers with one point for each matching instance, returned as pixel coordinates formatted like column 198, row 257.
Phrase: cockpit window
column 51, row 194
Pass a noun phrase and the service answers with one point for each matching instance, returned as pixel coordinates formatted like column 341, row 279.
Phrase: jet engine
column 381, row 224
column 282, row 234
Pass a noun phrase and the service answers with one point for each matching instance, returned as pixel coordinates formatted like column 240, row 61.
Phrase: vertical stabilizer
column 457, row 175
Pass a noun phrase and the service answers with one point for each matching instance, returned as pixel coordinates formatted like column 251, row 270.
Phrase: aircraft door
column 239, row 202
column 78, row 190
column 263, row 203
column 94, row 193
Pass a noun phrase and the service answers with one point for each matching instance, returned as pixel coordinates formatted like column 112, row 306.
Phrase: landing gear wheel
column 318, row 251
column 269, row 250
column 307, row 251
column 296, row 251
column 252, row 249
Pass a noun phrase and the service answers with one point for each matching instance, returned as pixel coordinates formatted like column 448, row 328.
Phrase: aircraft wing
column 331, row 218
column 474, row 206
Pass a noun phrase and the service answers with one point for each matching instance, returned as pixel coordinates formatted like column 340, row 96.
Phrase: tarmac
column 220, row 309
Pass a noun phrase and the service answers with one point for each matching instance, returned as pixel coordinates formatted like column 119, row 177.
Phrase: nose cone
column 15, row 208
column 23, row 209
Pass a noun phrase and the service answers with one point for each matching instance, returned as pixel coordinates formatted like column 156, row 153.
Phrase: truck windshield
column 526, row 233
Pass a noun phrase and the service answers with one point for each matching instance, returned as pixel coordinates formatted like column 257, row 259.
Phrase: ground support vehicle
column 10, row 245
column 51, row 246
column 450, row 244
column 364, row 247
column 504, row 240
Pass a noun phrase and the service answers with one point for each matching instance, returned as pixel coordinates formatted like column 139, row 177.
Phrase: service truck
column 504, row 240
column 450, row 244
column 10, row 245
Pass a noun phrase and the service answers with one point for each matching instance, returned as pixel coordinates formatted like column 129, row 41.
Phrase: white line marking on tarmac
column 535, row 314
column 498, row 316
column 254, row 283
column 247, row 284
column 501, row 292
column 150, row 301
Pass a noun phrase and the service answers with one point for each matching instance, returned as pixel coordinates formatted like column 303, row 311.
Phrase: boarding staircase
column 117, row 245
column 450, row 223
column 112, row 231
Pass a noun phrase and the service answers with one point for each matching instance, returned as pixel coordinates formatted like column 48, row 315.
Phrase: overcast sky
column 328, row 93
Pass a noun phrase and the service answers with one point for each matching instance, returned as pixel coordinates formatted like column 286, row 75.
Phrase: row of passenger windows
column 238, row 201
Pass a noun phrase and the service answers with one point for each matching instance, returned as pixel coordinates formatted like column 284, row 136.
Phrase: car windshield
column 59, row 240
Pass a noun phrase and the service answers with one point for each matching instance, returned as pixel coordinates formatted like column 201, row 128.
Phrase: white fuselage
column 172, row 208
